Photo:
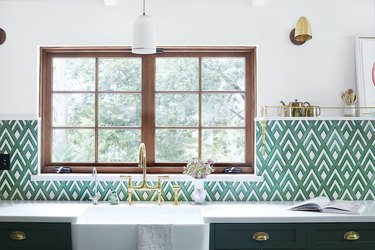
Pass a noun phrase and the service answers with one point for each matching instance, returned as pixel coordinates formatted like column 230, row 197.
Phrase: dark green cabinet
column 293, row 236
column 332, row 236
column 241, row 236
column 35, row 236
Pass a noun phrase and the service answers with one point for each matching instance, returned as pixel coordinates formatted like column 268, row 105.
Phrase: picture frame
column 365, row 71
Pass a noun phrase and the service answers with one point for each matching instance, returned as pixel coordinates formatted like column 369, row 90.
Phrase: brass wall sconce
column 2, row 36
column 302, row 32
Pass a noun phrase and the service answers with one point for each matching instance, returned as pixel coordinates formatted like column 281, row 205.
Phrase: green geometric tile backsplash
column 302, row 159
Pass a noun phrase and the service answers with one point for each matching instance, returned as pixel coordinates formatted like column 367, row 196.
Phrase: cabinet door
column 28, row 236
column 243, row 236
column 341, row 236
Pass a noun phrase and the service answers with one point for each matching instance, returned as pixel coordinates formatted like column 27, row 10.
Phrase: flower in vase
column 198, row 169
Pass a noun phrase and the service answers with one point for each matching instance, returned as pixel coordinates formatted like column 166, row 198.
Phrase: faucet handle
column 160, row 177
column 164, row 176
column 130, row 187
column 129, row 177
column 95, row 199
column 176, row 190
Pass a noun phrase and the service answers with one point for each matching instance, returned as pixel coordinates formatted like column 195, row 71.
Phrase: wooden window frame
column 148, row 101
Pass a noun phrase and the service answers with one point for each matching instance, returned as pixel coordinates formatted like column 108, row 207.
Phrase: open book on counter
column 323, row 204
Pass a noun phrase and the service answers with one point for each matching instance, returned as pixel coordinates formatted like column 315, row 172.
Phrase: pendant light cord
column 144, row 7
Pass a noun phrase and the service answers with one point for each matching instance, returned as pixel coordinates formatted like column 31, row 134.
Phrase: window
column 98, row 103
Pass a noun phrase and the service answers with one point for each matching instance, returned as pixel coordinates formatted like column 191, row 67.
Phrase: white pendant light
column 144, row 34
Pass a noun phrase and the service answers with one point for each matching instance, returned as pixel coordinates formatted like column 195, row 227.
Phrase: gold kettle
column 294, row 109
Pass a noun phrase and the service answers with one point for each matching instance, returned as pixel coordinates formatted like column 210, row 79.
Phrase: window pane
column 71, row 74
column 176, row 145
column 176, row 110
column 176, row 74
column 73, row 145
column 120, row 110
column 119, row 145
column 120, row 74
column 223, row 145
column 223, row 110
column 223, row 74
column 73, row 110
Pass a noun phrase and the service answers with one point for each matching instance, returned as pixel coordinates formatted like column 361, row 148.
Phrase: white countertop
column 41, row 211
column 278, row 212
column 212, row 212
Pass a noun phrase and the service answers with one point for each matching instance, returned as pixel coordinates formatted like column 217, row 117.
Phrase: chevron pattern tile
column 19, row 139
column 302, row 159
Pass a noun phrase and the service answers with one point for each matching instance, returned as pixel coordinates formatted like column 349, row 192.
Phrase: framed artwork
column 365, row 68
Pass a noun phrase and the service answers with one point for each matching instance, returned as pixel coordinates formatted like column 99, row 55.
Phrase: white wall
column 315, row 72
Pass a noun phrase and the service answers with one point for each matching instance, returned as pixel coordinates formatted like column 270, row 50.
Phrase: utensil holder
column 350, row 111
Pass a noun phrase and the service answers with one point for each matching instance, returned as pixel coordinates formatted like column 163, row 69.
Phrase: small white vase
column 199, row 193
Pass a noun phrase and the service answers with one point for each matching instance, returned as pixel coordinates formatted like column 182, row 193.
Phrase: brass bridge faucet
column 144, row 185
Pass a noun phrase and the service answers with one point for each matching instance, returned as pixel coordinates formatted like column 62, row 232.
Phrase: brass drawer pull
column 351, row 235
column 17, row 235
column 261, row 236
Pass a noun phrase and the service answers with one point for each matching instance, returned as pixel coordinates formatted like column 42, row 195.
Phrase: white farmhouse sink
column 106, row 227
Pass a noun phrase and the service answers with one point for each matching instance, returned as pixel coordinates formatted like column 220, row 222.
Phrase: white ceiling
column 256, row 3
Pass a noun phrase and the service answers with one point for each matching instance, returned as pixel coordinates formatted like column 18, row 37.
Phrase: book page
column 314, row 204
column 339, row 206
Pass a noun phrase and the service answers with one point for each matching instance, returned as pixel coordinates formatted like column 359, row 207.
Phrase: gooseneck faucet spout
column 142, row 160
column 142, row 163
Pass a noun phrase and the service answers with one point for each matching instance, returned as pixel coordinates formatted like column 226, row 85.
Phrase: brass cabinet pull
column 351, row 235
column 17, row 235
column 261, row 236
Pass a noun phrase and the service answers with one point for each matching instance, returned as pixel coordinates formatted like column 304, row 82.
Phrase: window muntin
column 177, row 74
column 73, row 109
column 120, row 74
column 206, row 95
column 119, row 109
column 224, row 145
column 193, row 104
column 73, row 145
column 117, row 145
column 95, row 101
column 73, row 74
column 220, row 74
column 184, row 143
column 176, row 109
